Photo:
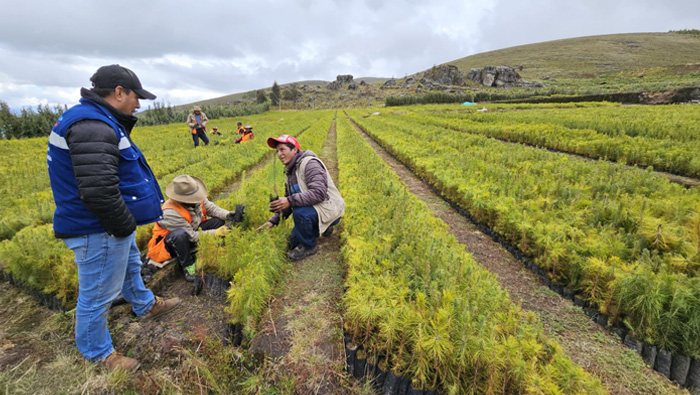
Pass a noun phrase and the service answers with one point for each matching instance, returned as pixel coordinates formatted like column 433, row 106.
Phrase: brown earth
column 597, row 351
column 301, row 338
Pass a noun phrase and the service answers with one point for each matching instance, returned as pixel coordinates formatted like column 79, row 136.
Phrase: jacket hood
column 126, row 120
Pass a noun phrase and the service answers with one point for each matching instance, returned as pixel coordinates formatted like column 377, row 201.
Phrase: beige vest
column 329, row 210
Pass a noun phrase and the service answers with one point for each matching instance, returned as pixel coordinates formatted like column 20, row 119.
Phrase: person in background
column 185, row 212
column 240, row 128
column 246, row 135
column 310, row 197
column 103, row 188
column 197, row 121
column 215, row 130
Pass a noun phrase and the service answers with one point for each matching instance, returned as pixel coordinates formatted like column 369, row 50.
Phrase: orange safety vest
column 156, row 246
column 240, row 130
column 246, row 137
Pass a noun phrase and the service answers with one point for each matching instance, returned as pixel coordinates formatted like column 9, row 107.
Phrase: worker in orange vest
column 240, row 128
column 185, row 213
column 247, row 134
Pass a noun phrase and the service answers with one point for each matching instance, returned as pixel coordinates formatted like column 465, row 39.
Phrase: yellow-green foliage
column 414, row 295
column 39, row 260
column 590, row 224
column 661, row 136
column 255, row 260
column 28, row 202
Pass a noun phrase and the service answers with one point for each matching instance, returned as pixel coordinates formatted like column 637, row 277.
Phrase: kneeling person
column 185, row 212
column 311, row 197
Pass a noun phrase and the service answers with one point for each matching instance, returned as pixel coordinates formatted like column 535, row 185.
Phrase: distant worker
column 240, row 128
column 215, row 130
column 197, row 121
column 310, row 197
column 246, row 135
column 186, row 211
column 103, row 188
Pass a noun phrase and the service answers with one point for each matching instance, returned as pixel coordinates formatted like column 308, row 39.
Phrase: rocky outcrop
column 442, row 75
column 500, row 77
column 341, row 81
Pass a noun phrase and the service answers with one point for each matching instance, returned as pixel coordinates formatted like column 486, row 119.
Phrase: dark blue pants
column 200, row 134
column 178, row 244
column 305, row 229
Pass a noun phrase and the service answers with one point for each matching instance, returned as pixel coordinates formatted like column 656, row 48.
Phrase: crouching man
column 185, row 213
column 311, row 197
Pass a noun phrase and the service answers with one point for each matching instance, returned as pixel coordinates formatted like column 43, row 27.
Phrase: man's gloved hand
column 236, row 216
column 222, row 231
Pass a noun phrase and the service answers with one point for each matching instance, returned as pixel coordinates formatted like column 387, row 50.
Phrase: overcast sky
column 185, row 51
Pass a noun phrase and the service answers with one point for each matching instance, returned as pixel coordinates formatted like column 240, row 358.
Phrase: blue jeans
column 200, row 133
column 106, row 266
column 305, row 229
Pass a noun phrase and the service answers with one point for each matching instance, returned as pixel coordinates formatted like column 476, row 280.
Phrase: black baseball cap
column 115, row 75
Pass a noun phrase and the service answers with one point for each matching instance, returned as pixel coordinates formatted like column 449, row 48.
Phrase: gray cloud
column 186, row 51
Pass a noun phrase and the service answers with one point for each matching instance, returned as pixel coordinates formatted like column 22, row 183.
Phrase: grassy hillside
column 623, row 61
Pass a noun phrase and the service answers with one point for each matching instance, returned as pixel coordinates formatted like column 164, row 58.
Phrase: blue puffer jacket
column 101, row 181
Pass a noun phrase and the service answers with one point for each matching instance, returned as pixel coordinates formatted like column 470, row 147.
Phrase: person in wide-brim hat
column 185, row 214
column 186, row 189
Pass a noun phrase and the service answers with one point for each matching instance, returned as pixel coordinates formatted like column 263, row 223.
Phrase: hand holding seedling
column 280, row 204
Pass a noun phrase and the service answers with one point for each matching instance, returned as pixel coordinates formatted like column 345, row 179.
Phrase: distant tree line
column 28, row 123
column 38, row 123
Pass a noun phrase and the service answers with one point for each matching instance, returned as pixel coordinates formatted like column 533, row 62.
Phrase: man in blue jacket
column 103, row 189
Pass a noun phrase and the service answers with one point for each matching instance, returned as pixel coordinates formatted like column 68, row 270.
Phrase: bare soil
column 597, row 351
column 301, row 339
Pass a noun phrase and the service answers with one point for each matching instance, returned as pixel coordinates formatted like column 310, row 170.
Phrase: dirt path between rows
column 301, row 337
column 597, row 351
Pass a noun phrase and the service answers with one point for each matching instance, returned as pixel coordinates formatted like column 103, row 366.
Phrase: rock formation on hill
column 500, row 77
column 341, row 81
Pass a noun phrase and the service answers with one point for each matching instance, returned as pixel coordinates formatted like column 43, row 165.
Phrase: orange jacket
column 156, row 246
column 240, row 129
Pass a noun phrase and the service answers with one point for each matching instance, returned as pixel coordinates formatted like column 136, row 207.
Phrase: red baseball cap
column 285, row 138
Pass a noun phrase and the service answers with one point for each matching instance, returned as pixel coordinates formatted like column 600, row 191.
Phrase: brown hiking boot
column 161, row 307
column 116, row 360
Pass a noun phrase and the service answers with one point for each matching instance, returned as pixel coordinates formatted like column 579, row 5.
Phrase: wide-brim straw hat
column 248, row 126
column 196, row 108
column 186, row 189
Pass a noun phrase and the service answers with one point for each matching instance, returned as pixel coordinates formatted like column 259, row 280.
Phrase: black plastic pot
column 680, row 364
column 663, row 362
column 359, row 368
column 404, row 385
column 621, row 333
column 569, row 293
column 391, row 384
column 578, row 301
column 235, row 334
column 649, row 354
column 558, row 288
column 634, row 344
column 601, row 320
column 413, row 391
column 272, row 199
column 350, row 352
column 379, row 379
column 693, row 380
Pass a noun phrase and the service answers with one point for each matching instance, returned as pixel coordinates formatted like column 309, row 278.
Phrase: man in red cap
column 310, row 197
